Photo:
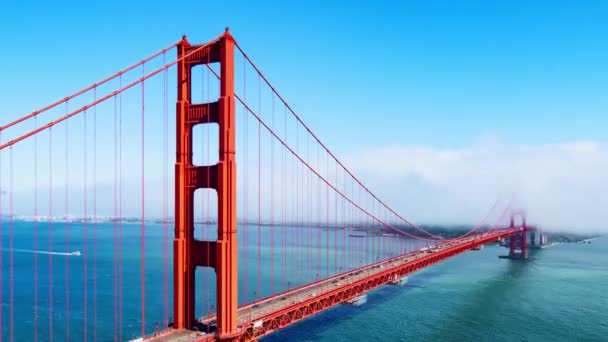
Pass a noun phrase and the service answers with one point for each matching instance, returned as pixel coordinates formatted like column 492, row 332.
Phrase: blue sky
column 435, row 75
column 440, row 72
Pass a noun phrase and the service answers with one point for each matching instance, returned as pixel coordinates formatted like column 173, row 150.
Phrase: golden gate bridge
column 269, row 227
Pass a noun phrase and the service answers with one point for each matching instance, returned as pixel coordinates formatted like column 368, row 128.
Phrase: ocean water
column 558, row 296
column 53, row 304
column 562, row 295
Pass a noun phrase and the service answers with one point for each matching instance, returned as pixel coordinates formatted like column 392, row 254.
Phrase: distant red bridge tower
column 518, row 244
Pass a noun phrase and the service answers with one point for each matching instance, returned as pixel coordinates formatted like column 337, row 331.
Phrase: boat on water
column 478, row 248
column 359, row 300
column 399, row 281
column 75, row 253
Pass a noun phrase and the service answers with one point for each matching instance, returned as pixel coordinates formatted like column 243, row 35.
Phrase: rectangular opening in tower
column 205, row 214
column 205, row 144
column 205, row 296
column 205, row 85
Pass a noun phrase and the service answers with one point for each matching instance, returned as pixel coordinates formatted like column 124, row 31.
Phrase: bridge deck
column 260, row 318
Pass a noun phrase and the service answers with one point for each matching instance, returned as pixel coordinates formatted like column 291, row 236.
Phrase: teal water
column 559, row 296
column 309, row 253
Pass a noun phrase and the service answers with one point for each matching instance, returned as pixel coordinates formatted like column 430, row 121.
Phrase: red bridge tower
column 518, row 244
column 190, row 253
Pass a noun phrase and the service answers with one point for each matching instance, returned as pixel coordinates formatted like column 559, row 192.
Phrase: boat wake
column 33, row 251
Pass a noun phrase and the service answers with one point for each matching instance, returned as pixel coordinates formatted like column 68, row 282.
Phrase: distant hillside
column 458, row 230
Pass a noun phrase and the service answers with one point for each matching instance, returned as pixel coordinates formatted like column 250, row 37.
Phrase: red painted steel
column 188, row 252
column 518, row 244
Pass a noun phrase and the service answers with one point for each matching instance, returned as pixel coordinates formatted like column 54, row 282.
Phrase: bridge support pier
column 518, row 244
column 190, row 253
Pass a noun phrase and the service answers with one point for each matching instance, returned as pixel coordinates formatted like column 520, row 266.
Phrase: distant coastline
column 356, row 229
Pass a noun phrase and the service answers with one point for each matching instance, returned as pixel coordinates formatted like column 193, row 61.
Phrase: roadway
column 254, row 314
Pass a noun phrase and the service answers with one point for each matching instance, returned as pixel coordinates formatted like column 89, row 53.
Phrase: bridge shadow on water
column 488, row 297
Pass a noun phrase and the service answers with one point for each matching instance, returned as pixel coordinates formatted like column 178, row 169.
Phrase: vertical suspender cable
column 366, row 232
column 1, row 234
column 335, row 230
column 310, row 213
column 307, row 241
column 380, row 235
column 115, row 223
column 35, row 231
column 143, row 230
column 246, row 186
column 208, row 182
column 165, row 204
column 297, row 204
column 336, row 223
column 84, row 224
column 120, row 240
column 259, row 193
column 206, row 157
column 50, row 234
column 272, row 204
column 327, row 248
column 309, row 205
column 343, row 242
column 306, row 215
column 10, row 246
column 95, row 219
column 67, row 220
column 353, row 217
column 318, row 214
column 283, row 205
column 292, row 221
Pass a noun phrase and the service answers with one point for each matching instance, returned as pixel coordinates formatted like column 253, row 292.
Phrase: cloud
column 562, row 186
